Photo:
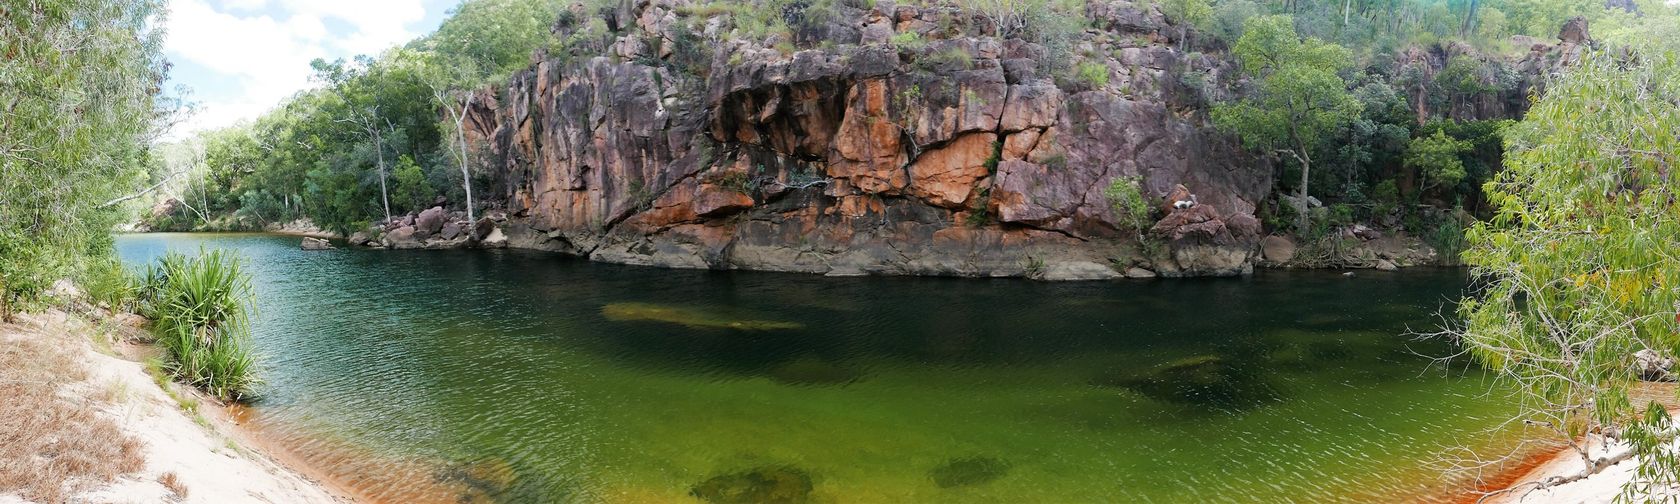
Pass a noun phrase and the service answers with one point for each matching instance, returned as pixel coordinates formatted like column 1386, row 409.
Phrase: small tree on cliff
column 1298, row 100
column 452, row 81
column 1581, row 283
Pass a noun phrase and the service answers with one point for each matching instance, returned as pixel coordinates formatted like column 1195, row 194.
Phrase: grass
column 173, row 483
column 200, row 308
column 53, row 444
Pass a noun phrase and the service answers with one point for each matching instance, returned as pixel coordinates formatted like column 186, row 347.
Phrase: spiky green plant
column 200, row 305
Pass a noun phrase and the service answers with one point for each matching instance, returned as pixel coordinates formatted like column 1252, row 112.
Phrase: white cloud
column 264, row 48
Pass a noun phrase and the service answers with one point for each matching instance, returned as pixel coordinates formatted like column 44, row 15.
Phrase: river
column 519, row 376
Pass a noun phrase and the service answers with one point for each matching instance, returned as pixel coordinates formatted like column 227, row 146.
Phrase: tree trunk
column 1469, row 19
column 461, row 135
column 379, row 154
column 1301, row 221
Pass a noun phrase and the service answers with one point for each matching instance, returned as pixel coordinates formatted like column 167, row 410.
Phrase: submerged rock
column 968, row 471
column 764, row 485
column 690, row 317
column 813, row 371
column 1206, row 381
column 316, row 244
column 484, row 480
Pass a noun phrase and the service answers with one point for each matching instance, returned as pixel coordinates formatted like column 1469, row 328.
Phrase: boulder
column 1277, row 249
column 1077, row 270
column 430, row 221
column 1386, row 265
column 403, row 238
column 316, row 244
column 495, row 239
column 1574, row 31
column 450, row 231
column 359, row 239
column 1653, row 366
column 482, row 228
column 1139, row 273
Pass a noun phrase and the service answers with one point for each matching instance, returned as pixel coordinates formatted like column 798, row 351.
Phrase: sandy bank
column 189, row 450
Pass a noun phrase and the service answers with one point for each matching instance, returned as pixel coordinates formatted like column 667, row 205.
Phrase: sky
column 242, row 57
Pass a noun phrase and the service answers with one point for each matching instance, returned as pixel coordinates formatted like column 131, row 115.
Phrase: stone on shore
column 311, row 243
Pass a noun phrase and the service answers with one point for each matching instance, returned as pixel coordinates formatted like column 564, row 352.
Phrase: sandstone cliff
column 958, row 154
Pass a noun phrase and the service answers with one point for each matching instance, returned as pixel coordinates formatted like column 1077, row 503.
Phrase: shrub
column 1092, row 74
column 908, row 41
column 199, row 305
column 1128, row 199
column 107, row 283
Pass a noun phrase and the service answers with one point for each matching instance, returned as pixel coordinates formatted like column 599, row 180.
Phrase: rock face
column 959, row 157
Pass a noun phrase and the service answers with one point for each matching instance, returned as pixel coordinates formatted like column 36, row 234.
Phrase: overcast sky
column 241, row 57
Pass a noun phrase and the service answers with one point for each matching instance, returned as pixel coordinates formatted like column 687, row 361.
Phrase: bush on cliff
column 200, row 308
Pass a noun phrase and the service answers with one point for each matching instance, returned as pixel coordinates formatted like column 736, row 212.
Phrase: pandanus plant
column 200, row 307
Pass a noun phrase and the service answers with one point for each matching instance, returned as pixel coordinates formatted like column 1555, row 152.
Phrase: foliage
column 411, row 191
column 1093, row 74
column 908, row 41
column 1436, row 157
column 1125, row 196
column 498, row 36
column 1300, row 97
column 78, row 84
column 1576, row 263
column 199, row 305
column 1188, row 13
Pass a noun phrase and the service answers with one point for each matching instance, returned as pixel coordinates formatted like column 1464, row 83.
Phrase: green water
column 527, row 377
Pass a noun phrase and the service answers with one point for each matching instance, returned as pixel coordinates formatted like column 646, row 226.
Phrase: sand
column 198, row 448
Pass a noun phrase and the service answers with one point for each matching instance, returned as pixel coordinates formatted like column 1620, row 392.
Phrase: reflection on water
column 505, row 376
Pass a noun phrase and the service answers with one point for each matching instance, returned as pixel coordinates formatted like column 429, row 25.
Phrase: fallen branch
column 142, row 192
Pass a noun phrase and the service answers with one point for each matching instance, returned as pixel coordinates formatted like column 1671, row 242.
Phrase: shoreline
column 1522, row 487
column 1258, row 263
column 193, row 449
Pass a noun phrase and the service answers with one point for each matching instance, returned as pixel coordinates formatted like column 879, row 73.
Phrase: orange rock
column 945, row 176
column 715, row 201
column 1017, row 145
column 1179, row 193
column 867, row 148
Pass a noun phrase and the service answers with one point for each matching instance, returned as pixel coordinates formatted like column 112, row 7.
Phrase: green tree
column 1298, row 100
column 1437, row 158
column 1188, row 14
column 412, row 191
column 78, row 84
column 1577, row 265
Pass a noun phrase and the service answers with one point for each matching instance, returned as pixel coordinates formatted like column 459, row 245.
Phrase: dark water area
column 511, row 376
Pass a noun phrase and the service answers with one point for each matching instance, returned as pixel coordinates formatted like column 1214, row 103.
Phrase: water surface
column 527, row 377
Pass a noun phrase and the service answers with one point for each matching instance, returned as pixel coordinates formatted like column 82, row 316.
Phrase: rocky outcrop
column 957, row 157
column 960, row 154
